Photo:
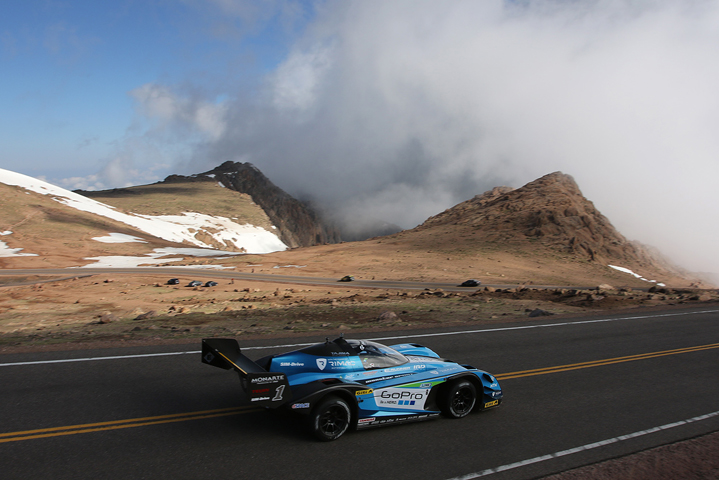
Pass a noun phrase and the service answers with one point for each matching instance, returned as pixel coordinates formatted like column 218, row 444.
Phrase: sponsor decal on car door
column 401, row 397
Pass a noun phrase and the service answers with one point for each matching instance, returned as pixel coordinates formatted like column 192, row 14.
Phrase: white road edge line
column 91, row 359
column 398, row 337
column 589, row 446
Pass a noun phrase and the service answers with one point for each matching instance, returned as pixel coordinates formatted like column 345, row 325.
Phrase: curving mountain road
column 576, row 391
column 262, row 277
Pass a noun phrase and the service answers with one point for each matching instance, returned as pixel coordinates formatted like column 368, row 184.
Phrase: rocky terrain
column 545, row 233
column 47, row 311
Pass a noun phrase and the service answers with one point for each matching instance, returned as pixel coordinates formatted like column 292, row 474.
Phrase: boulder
column 146, row 315
column 386, row 316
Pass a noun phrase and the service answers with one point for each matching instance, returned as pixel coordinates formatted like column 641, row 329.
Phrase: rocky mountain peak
column 552, row 210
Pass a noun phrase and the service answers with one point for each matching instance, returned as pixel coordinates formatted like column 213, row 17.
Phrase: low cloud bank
column 399, row 110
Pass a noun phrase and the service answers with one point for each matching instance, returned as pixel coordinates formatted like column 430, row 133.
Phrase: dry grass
column 450, row 255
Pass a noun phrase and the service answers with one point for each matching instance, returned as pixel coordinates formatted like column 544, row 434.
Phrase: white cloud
column 297, row 81
column 426, row 104
column 163, row 106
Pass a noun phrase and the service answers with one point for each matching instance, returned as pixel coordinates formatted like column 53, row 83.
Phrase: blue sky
column 69, row 66
column 392, row 109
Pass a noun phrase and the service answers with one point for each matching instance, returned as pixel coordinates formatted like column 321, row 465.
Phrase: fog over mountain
column 399, row 110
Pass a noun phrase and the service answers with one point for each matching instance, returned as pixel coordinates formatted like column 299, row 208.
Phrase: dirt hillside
column 552, row 211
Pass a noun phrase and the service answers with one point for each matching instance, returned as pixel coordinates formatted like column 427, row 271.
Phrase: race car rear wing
column 265, row 389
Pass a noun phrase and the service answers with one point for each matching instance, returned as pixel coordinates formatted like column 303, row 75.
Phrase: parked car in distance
column 470, row 283
column 173, row 281
column 211, row 284
column 195, row 283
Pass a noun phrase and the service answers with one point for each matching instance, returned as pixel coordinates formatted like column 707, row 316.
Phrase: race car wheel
column 459, row 399
column 330, row 419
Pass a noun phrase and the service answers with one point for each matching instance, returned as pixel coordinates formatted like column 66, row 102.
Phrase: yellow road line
column 182, row 417
column 606, row 361
column 118, row 424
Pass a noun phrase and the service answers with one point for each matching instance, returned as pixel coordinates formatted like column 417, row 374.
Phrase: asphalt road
column 169, row 416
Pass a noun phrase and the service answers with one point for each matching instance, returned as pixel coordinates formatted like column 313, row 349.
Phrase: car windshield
column 375, row 355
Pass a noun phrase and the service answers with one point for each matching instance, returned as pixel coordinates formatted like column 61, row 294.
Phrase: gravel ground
column 697, row 458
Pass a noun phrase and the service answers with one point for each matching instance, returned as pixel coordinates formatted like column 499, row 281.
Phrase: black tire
column 330, row 418
column 459, row 399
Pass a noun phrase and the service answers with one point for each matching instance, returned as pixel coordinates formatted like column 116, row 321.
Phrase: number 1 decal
column 278, row 393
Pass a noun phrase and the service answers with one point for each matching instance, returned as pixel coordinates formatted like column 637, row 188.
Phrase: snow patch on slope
column 6, row 251
column 636, row 275
column 158, row 256
column 174, row 228
column 119, row 238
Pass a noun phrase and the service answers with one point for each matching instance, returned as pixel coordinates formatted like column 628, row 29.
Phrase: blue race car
column 357, row 383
